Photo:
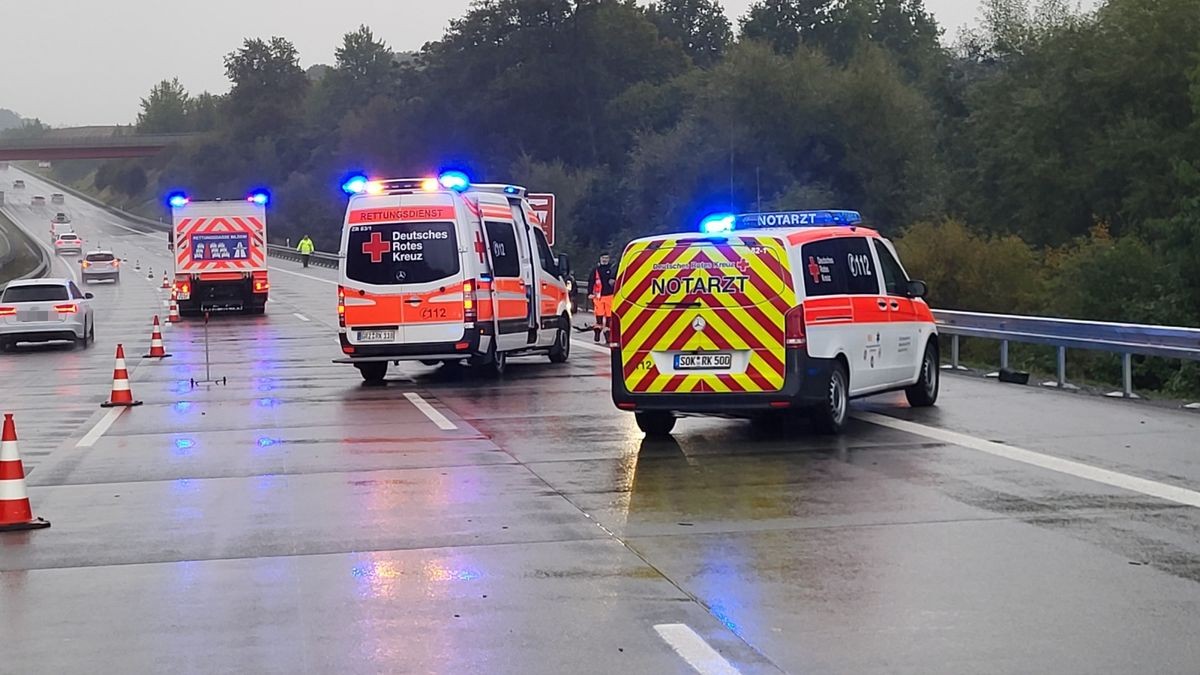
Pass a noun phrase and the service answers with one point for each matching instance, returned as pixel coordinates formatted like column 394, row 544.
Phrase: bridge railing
column 1126, row 339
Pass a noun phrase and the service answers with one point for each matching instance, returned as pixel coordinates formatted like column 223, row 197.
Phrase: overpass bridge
column 93, row 143
column 294, row 520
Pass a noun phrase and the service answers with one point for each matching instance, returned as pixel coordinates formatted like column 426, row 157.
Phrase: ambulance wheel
column 561, row 350
column 925, row 392
column 498, row 363
column 655, row 423
column 372, row 372
column 829, row 416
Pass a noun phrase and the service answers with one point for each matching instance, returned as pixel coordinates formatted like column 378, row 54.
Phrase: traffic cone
column 121, row 394
column 157, row 351
column 173, row 313
column 166, row 284
column 15, row 512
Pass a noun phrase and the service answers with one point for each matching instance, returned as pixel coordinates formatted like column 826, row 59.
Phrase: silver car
column 68, row 242
column 58, row 198
column 45, row 310
column 38, row 201
column 100, row 265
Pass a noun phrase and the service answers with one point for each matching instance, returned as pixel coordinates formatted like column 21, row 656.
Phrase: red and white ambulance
column 768, row 313
column 440, row 270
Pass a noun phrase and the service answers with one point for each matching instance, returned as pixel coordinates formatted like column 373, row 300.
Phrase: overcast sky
column 72, row 62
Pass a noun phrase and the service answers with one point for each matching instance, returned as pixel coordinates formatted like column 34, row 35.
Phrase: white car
column 68, row 242
column 100, row 265
column 58, row 198
column 45, row 310
column 38, row 201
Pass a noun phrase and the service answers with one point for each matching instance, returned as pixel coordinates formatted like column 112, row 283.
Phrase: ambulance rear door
column 509, row 273
column 703, row 315
column 403, row 269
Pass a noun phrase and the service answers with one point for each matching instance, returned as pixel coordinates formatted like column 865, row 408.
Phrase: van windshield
column 401, row 253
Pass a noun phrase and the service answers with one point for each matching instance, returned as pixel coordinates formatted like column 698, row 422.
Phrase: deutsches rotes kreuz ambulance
column 765, row 313
column 441, row 270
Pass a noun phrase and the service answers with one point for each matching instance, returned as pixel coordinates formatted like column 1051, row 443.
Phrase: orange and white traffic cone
column 15, row 512
column 121, row 396
column 166, row 284
column 173, row 313
column 157, row 351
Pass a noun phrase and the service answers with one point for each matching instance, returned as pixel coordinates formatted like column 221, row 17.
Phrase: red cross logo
column 376, row 247
column 814, row 270
column 742, row 265
column 480, row 248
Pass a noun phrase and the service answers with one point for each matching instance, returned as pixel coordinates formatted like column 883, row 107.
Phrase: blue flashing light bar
column 356, row 184
column 799, row 219
column 177, row 200
column 455, row 180
column 260, row 197
column 718, row 223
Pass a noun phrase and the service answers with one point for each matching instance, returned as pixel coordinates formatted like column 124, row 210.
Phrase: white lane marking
column 89, row 439
column 593, row 347
column 1151, row 488
column 300, row 316
column 430, row 412
column 306, row 276
column 698, row 653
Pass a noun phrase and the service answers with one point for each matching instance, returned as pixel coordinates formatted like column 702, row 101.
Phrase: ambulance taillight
column 470, row 301
column 614, row 332
column 793, row 323
column 341, row 307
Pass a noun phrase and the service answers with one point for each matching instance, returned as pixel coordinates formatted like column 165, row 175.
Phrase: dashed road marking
column 432, row 413
column 698, row 653
column 89, row 439
column 300, row 316
column 1151, row 488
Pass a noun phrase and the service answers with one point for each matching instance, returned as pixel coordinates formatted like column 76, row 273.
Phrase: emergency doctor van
column 767, row 313
column 439, row 270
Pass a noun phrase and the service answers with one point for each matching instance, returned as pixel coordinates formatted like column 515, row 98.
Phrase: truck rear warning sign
column 221, row 246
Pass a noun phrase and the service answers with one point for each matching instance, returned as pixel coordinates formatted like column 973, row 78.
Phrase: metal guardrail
column 12, row 232
column 318, row 258
column 1126, row 339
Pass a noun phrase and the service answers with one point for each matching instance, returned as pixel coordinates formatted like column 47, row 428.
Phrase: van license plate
column 376, row 336
column 703, row 361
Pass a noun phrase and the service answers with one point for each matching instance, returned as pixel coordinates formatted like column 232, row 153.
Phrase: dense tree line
column 1047, row 161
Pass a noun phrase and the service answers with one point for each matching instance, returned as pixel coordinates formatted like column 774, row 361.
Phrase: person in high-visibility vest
column 602, row 285
column 306, row 249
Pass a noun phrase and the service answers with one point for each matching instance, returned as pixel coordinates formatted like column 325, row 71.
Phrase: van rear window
column 401, row 253
column 839, row 266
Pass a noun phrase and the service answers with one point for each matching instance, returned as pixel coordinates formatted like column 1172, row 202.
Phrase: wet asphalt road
column 294, row 520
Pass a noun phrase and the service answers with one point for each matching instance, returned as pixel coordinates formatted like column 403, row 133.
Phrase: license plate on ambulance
column 376, row 336
column 703, row 361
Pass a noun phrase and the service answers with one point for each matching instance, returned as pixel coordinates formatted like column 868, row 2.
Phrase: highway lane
column 294, row 520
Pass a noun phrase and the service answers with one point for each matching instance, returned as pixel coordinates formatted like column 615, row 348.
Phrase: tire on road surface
column 373, row 372
column 655, row 423
column 561, row 350
column 830, row 415
column 925, row 392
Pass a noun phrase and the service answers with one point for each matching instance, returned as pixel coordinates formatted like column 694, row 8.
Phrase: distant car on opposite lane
column 98, row 265
column 46, row 310
column 68, row 242
column 57, row 198
column 38, row 200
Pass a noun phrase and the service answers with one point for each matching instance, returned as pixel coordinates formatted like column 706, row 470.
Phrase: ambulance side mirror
column 917, row 289
column 564, row 265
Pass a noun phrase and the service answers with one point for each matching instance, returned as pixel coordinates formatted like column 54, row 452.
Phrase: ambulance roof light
column 718, row 223
column 177, row 200
column 455, row 180
column 354, row 185
column 800, row 219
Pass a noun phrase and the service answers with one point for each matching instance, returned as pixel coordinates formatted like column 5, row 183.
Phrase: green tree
column 165, row 109
column 268, row 88
column 204, row 112
column 699, row 26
